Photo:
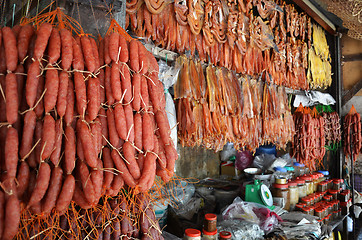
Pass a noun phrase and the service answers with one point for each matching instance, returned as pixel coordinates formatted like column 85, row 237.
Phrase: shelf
column 335, row 223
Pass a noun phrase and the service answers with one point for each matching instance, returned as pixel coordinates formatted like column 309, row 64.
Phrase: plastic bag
column 227, row 152
column 264, row 161
column 243, row 160
column 168, row 77
column 252, row 212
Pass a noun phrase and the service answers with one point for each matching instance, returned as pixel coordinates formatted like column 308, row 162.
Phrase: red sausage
column 32, row 82
column 133, row 56
column 79, row 197
column 145, row 101
column 67, row 48
column 116, row 186
column 97, row 135
column 2, row 211
column 11, row 152
column 69, row 111
column 126, row 84
column 120, row 121
column 80, row 93
column 108, row 168
column 147, row 133
column 87, row 144
column 102, row 90
column 143, row 58
column 116, row 82
column 124, row 49
column 112, row 130
column 41, row 185
column 95, row 53
column 138, row 131
column 69, row 150
column 86, row 181
column 113, row 46
column 149, row 168
column 54, row 46
column 41, row 41
column 108, row 86
column 107, row 58
column 129, row 155
column 11, row 50
column 37, row 138
column 78, row 60
column 39, row 109
column 52, row 87
column 93, row 98
column 20, row 78
column 163, row 127
column 62, row 93
column 88, row 53
column 28, row 133
column 22, row 178
column 155, row 92
column 66, row 194
column 101, row 52
column 12, row 99
column 25, row 34
column 12, row 217
column 104, row 125
column 55, row 156
column 53, row 191
column 136, row 82
column 97, row 181
column 120, row 165
column 130, row 124
column 48, row 137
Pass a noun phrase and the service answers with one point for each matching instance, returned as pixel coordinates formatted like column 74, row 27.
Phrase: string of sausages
column 78, row 120
column 332, row 129
column 352, row 134
column 308, row 146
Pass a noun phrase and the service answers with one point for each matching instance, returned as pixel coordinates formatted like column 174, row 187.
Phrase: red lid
column 320, row 175
column 306, row 178
column 345, row 192
column 292, row 183
column 331, row 191
column 322, row 183
column 209, row 233
column 299, row 181
column 308, row 208
column 305, row 199
column 210, row 216
column 329, row 180
column 318, row 209
column 275, row 185
column 327, row 196
column 225, row 234
column 314, row 176
column 337, row 180
column 300, row 205
column 190, row 232
column 335, row 211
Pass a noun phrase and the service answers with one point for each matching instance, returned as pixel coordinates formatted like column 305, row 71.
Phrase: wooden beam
column 352, row 57
column 318, row 16
column 351, row 92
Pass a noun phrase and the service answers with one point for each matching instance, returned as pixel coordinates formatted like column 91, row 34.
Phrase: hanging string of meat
column 270, row 40
column 308, row 146
column 215, row 107
column 352, row 134
column 332, row 129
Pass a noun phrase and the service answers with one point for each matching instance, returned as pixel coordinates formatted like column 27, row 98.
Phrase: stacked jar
column 192, row 234
column 209, row 232
column 281, row 192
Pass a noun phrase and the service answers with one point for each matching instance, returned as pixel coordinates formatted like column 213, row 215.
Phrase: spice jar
column 328, row 218
column 280, row 180
column 192, row 234
column 329, row 184
column 322, row 186
column 224, row 235
column 335, row 205
column 293, row 195
column 333, row 193
column 301, row 188
column 306, row 200
column 308, row 183
column 327, row 198
column 210, row 222
column 300, row 206
column 339, row 213
column 282, row 191
column 325, row 174
column 308, row 210
column 209, row 235
column 299, row 169
column 345, row 206
column 337, row 184
column 318, row 212
column 315, row 178
column 344, row 196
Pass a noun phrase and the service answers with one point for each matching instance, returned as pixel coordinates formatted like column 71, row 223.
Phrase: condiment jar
column 282, row 191
column 293, row 194
column 306, row 200
column 300, row 206
column 335, row 204
column 224, row 235
column 325, row 173
column 299, row 169
column 209, row 235
column 192, row 234
column 308, row 183
column 345, row 206
column 335, row 214
column 339, row 213
column 282, row 175
column 344, row 196
column 327, row 198
column 210, row 222
column 315, row 177
column 322, row 186
column 337, row 183
column 333, row 193
column 318, row 212
column 301, row 188
column 329, row 184
column 308, row 210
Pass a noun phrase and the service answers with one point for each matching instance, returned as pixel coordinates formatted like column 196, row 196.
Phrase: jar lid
column 225, row 234
column 345, row 192
column 314, row 176
column 337, row 180
column 306, row 178
column 289, row 168
column 281, row 180
column 331, row 191
column 190, row 232
column 299, row 181
column 300, row 205
column 209, row 233
column 309, row 208
column 298, row 164
column 327, row 196
column 210, row 216
column 292, row 183
column 281, row 186
column 329, row 180
column 322, row 183
column 325, row 173
column 318, row 209
column 280, row 169
column 305, row 199
column 335, row 211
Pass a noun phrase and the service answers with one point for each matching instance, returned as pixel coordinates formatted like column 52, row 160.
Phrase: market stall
column 164, row 119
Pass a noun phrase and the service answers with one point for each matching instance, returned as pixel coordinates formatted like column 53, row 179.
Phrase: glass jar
column 328, row 219
column 327, row 198
column 306, row 200
column 209, row 235
column 299, row 206
column 224, row 235
column 308, row 183
column 329, row 183
column 325, row 173
column 192, row 234
column 318, row 212
column 308, row 210
column 339, row 213
column 335, row 204
column 299, row 169
column 333, row 193
column 210, row 222
column 301, row 188
column 280, row 180
column 322, row 186
column 345, row 206
column 335, row 214
column 344, row 196
column 282, row 191
column 281, row 175
column 293, row 195
column 337, row 184
column 315, row 177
